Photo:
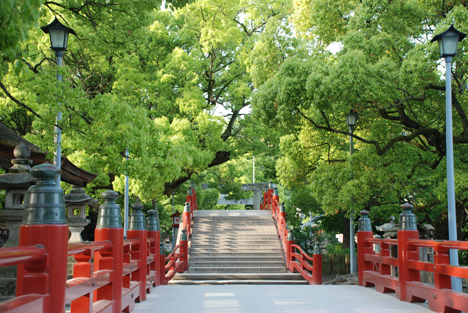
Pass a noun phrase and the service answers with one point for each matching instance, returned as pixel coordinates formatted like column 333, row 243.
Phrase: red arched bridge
column 112, row 274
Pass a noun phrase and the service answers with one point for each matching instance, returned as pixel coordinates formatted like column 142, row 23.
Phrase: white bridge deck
column 274, row 298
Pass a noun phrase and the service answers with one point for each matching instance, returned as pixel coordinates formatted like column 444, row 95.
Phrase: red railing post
column 153, row 232
column 162, row 266
column 189, row 199
column 184, row 250
column 441, row 256
column 194, row 196
column 289, row 250
column 275, row 203
column 408, row 231
column 109, row 227
column 317, row 266
column 137, row 230
column 364, row 247
column 187, row 219
column 44, row 223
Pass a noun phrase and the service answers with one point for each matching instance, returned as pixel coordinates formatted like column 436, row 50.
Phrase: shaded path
column 274, row 298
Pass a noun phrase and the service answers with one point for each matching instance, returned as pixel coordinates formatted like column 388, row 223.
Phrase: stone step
column 231, row 258
column 235, row 254
column 195, row 264
column 233, row 218
column 235, row 246
column 231, row 250
column 235, row 229
column 240, row 239
column 238, row 282
column 236, row 234
column 278, row 269
column 245, row 237
column 237, row 276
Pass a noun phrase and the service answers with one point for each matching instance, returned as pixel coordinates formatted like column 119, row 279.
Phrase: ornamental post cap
column 43, row 202
column 407, row 219
column 137, row 218
column 364, row 223
column 282, row 208
column 109, row 195
column 187, row 207
column 109, row 212
column 317, row 248
column 364, row 213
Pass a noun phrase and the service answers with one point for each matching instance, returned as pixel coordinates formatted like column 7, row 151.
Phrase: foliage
column 136, row 77
column 387, row 70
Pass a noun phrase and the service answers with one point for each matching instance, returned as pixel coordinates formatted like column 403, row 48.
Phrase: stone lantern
column 16, row 183
column 76, row 202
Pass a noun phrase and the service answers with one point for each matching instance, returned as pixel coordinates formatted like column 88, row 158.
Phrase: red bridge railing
column 296, row 259
column 111, row 274
column 374, row 269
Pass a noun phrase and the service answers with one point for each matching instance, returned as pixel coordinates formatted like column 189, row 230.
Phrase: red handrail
column 76, row 248
column 375, row 269
column 110, row 275
column 294, row 261
column 20, row 255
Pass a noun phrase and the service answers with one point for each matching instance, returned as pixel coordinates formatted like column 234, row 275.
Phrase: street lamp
column 173, row 229
column 59, row 39
column 448, row 43
column 352, row 119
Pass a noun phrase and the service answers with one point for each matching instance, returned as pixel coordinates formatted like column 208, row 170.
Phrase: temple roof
column 71, row 173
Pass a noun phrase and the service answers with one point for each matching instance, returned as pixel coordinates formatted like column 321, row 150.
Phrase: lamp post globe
column 448, row 41
column 58, row 34
column 448, row 44
column 352, row 118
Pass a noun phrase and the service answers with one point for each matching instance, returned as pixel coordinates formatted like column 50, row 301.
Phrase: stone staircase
column 235, row 247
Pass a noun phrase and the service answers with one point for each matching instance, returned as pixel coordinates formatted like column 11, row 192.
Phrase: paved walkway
column 274, row 298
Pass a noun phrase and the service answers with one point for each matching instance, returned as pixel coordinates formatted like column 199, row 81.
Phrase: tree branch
column 17, row 101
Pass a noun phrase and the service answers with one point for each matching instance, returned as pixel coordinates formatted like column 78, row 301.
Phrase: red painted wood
column 139, row 252
column 113, row 261
column 49, row 275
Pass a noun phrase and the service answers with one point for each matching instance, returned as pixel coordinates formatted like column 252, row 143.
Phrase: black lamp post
column 59, row 39
column 352, row 119
column 448, row 43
